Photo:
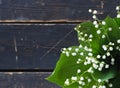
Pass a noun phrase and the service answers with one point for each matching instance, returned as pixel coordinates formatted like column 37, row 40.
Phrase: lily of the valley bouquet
column 95, row 63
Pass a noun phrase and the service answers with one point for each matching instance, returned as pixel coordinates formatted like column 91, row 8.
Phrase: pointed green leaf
column 104, row 75
column 89, row 29
column 66, row 67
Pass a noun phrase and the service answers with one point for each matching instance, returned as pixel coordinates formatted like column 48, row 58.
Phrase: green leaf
column 115, row 33
column 104, row 75
column 117, row 20
column 66, row 67
column 89, row 29
column 116, row 81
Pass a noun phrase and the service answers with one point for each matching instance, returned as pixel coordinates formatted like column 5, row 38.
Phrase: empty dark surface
column 25, row 80
column 54, row 10
column 34, row 46
column 46, row 9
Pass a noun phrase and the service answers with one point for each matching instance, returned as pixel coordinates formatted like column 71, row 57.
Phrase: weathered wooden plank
column 47, row 10
column 110, row 7
column 25, row 80
column 54, row 10
column 34, row 46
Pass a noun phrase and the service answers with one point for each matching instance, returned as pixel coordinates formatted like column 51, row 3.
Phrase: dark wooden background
column 32, row 33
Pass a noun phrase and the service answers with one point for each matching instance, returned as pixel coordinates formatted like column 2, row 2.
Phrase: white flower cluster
column 94, row 12
column 90, row 59
column 118, row 11
column 97, row 62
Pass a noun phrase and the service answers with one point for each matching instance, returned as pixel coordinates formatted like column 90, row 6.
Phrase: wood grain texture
column 34, row 46
column 110, row 7
column 47, row 10
column 54, row 10
column 25, row 80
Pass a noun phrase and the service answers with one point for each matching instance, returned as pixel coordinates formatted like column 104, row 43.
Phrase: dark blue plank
column 25, row 80
column 110, row 7
column 47, row 10
column 34, row 46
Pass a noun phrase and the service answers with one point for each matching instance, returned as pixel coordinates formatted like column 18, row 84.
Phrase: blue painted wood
column 54, row 10
column 25, row 80
column 110, row 7
column 47, row 10
column 34, row 46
